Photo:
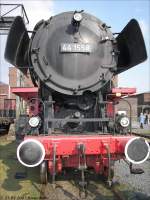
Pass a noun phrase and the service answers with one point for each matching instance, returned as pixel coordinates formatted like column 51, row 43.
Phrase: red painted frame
column 67, row 152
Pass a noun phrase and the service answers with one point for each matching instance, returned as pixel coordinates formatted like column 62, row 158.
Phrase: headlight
column 77, row 17
column 124, row 122
column 34, row 121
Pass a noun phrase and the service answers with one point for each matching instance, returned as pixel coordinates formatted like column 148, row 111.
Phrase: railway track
column 47, row 192
column 147, row 136
column 67, row 188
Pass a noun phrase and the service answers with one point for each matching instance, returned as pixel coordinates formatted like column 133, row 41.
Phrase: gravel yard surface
column 140, row 183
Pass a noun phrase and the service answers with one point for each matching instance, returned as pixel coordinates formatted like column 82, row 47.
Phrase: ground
column 137, row 129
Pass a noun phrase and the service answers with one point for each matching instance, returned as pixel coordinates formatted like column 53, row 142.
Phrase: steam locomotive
column 72, row 58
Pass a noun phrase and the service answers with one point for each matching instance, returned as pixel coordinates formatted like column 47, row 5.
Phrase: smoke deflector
column 17, row 44
column 131, row 47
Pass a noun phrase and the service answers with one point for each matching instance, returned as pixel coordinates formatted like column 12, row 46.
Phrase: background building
column 139, row 102
column 18, row 79
column 123, row 106
column 4, row 90
column 4, row 94
column 143, row 100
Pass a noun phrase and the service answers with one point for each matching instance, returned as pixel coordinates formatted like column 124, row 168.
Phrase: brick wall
column 27, row 80
column 18, row 79
column 115, row 81
column 147, row 98
column 4, row 90
column 13, row 79
column 12, row 76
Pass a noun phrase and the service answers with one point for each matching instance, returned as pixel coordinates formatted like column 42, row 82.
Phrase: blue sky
column 114, row 13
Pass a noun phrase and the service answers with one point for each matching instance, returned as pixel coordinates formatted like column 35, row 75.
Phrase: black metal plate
column 131, row 46
column 17, row 44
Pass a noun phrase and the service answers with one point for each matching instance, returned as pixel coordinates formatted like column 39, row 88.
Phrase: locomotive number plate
column 76, row 48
